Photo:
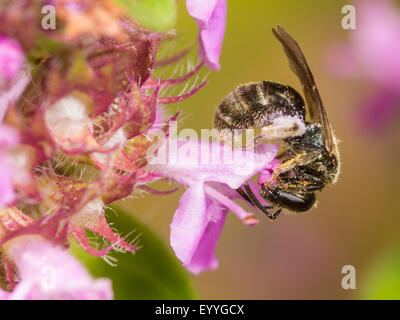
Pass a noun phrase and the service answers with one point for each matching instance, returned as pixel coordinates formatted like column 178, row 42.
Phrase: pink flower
column 202, row 209
column 211, row 17
column 12, row 79
column 8, row 138
column 78, row 108
column 47, row 271
column 11, row 60
column 373, row 53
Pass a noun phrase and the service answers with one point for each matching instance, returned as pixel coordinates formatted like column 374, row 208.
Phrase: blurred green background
column 357, row 221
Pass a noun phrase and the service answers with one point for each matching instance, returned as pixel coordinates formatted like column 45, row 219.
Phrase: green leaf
column 383, row 279
column 44, row 47
column 151, row 273
column 158, row 15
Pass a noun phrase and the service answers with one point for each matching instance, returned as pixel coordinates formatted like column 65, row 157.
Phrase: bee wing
column 300, row 67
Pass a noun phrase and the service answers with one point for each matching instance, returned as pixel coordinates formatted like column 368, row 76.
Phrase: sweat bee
column 310, row 159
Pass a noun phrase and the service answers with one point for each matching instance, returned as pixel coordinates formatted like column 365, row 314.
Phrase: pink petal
column 8, row 136
column 211, row 17
column 201, row 10
column 196, row 160
column 204, row 256
column 12, row 94
column 196, row 226
column 225, row 201
column 266, row 173
column 195, row 229
column 379, row 110
column 194, row 164
column 4, row 295
column 189, row 223
column 7, row 193
column 376, row 41
column 11, row 60
column 49, row 272
column 373, row 52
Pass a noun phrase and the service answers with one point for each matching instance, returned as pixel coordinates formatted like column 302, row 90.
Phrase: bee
column 310, row 160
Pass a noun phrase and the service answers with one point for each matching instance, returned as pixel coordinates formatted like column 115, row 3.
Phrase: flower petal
column 377, row 41
column 11, row 59
column 189, row 223
column 8, row 136
column 211, row 17
column 204, row 256
column 195, row 161
column 201, row 10
column 212, row 37
column 225, row 201
column 49, row 272
column 7, row 193
column 12, row 94
column 379, row 110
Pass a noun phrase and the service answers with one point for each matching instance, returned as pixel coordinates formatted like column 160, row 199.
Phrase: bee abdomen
column 256, row 104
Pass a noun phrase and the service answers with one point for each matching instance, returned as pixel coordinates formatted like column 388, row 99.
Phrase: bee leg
column 286, row 166
column 251, row 197
column 244, row 195
column 299, row 159
column 276, row 214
